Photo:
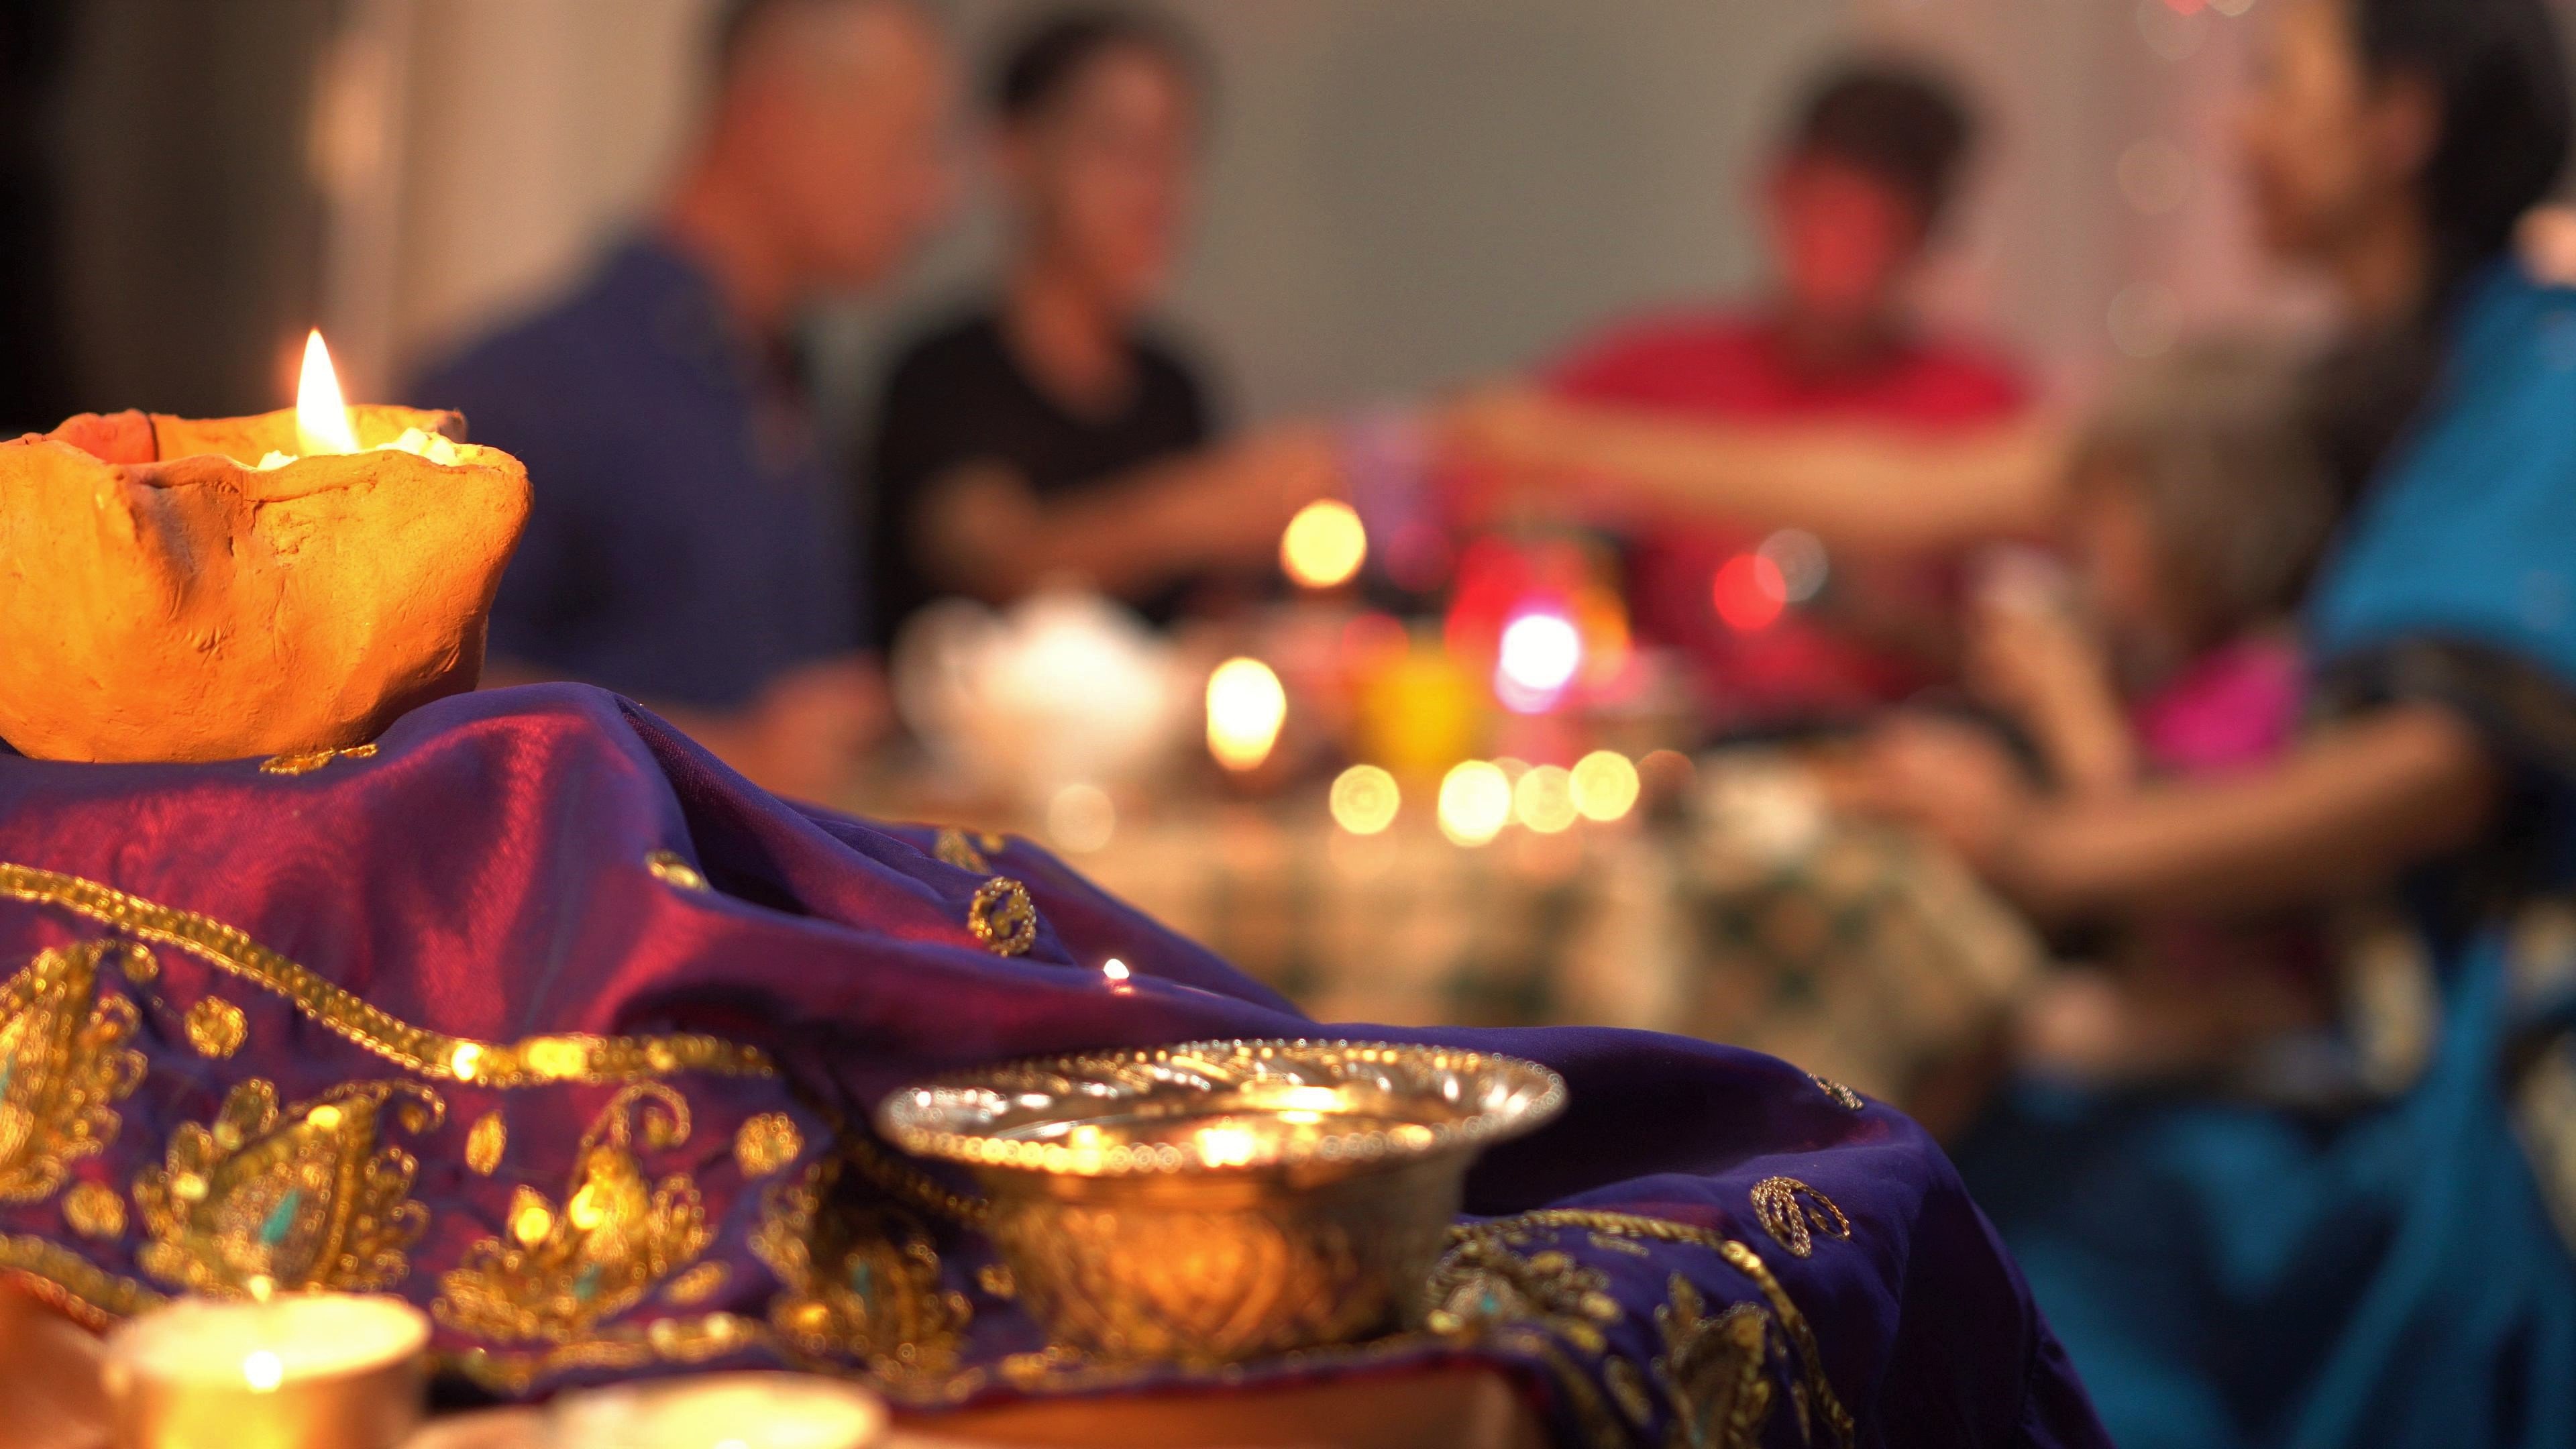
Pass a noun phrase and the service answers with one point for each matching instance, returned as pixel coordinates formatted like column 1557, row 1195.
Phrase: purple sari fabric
column 542, row 1018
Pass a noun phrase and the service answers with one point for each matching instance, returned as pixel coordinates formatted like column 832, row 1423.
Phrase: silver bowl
column 1225, row 1200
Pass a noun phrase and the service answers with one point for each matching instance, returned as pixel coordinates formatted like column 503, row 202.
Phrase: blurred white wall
column 1398, row 195
column 1401, row 193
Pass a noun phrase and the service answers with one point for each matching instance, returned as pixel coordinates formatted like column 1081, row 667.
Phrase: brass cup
column 1223, row 1201
column 163, row 1394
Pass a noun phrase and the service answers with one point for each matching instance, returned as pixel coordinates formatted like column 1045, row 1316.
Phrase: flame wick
column 321, row 418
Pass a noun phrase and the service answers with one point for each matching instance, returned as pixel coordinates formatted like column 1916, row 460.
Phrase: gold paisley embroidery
column 94, row 1211
column 766, row 1143
column 953, row 848
column 1003, row 917
column 697, row 1285
column 861, row 1280
column 1714, row 1370
column 1483, row 1282
column 140, row 965
column 308, row 1198
column 305, row 762
column 56, row 1275
column 216, row 1027
column 673, row 869
column 1844, row 1097
column 64, row 1064
column 534, row 1061
column 485, row 1141
column 1792, row 1213
column 624, row 1349
column 613, row 1239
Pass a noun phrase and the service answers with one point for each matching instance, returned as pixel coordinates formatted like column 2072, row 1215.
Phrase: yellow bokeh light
column 1475, row 802
column 321, row 418
column 1245, row 709
column 1543, row 800
column 1365, row 800
column 1325, row 544
column 1605, row 785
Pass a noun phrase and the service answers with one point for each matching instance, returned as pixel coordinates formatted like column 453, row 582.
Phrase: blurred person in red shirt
column 1803, row 629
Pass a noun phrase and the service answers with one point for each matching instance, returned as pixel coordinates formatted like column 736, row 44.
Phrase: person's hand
column 1508, row 424
column 2033, row 659
column 1949, row 778
column 1281, row 468
column 806, row 734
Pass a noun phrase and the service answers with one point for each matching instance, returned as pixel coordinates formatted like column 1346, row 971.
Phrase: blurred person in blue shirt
column 690, row 544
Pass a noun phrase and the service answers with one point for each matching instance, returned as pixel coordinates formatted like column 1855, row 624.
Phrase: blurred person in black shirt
column 1048, row 434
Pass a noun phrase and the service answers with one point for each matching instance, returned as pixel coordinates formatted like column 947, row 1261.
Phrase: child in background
column 2197, row 506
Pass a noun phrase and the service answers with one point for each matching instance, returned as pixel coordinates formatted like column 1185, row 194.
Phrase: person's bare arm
column 981, row 531
column 2352, row 808
column 1854, row 484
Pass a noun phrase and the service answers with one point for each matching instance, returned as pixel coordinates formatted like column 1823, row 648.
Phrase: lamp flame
column 321, row 416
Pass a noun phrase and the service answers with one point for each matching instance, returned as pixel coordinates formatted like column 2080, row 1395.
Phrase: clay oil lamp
column 178, row 589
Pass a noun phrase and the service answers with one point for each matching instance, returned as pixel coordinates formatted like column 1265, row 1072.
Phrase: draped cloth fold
column 536, row 1014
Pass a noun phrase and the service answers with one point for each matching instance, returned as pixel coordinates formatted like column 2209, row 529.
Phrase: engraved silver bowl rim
column 954, row 1118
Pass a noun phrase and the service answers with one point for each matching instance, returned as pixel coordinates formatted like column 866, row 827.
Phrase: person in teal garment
column 2390, row 1268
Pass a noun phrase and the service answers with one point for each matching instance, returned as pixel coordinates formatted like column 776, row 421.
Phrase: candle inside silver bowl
column 1220, row 1201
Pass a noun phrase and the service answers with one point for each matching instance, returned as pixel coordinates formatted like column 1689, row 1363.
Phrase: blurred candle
column 1365, row 800
column 1246, row 708
column 1605, row 785
column 300, row 1371
column 1325, row 544
column 1540, row 655
column 1543, row 800
column 1475, row 802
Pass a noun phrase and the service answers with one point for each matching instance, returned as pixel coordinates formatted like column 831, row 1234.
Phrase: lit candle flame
column 263, row 1371
column 321, row 417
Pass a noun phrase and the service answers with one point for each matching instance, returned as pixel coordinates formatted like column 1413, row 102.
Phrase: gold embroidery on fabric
column 485, row 1141
column 216, row 1027
column 613, row 1239
column 89, row 1294
column 1003, row 917
column 1628, row 1389
column 953, row 848
column 1814, row 1388
column 1714, row 1370
column 1622, row 1246
column 64, row 1064
column 697, row 1285
column 305, row 762
column 623, row 1349
column 996, row 1281
column 766, row 1143
column 1844, row 1097
column 1794, row 1324
column 1482, row 1283
column 94, row 1211
column 861, row 1281
column 1792, row 1213
column 533, row 1061
column 303, row 1199
column 672, row 868
column 141, row 966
